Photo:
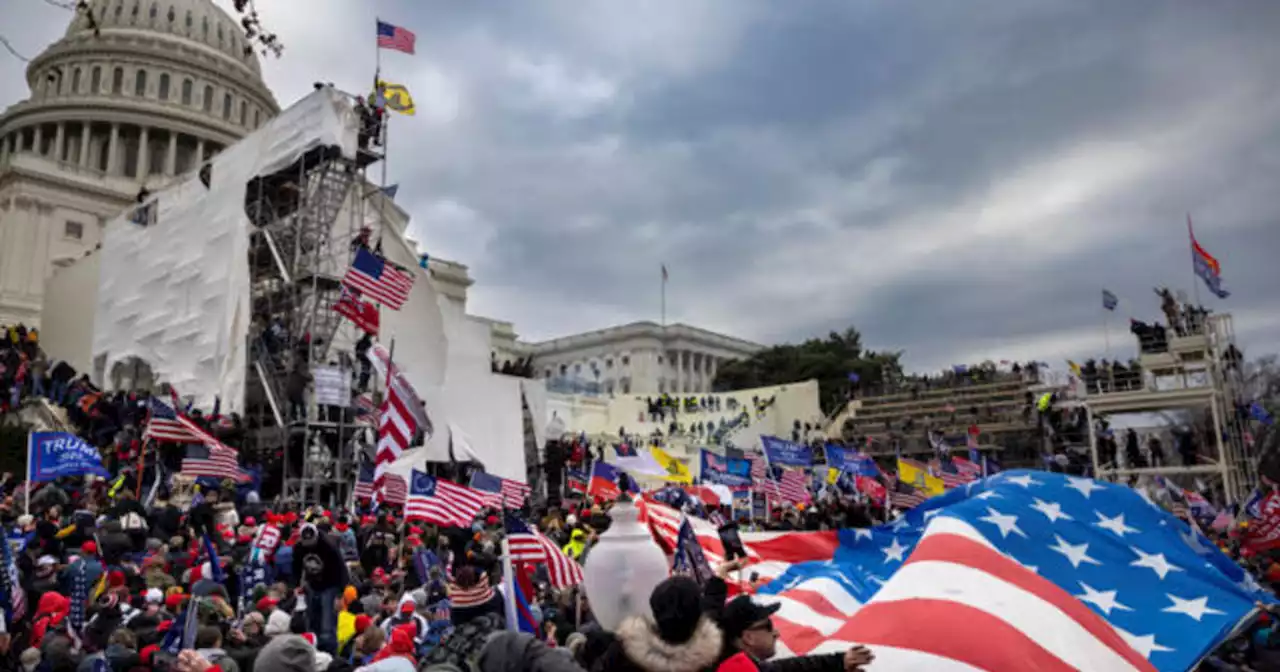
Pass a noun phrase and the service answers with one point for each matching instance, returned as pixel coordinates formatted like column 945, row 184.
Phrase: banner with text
column 52, row 455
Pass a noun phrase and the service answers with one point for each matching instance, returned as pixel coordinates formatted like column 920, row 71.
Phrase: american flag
column 575, row 481
column 396, row 428
column 527, row 545
column 217, row 461
column 759, row 468
column 950, row 475
column 206, row 456
column 364, row 411
column 499, row 492
column 1087, row 554
column 970, row 469
column 394, row 37
column 396, row 492
column 903, row 495
column 378, row 280
column 440, row 502
column 16, row 596
column 791, row 486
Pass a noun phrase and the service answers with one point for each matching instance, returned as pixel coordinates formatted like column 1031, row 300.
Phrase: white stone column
column 39, row 145
column 171, row 160
column 59, row 141
column 113, row 150
column 144, row 155
column 84, row 144
column 199, row 151
column 6, row 147
column 673, row 359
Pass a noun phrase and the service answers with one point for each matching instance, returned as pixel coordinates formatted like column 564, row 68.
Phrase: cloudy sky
column 958, row 180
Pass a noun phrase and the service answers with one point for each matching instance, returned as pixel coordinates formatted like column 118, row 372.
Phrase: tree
column 829, row 361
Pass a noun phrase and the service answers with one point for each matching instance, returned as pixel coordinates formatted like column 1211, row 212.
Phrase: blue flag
column 689, row 558
column 785, row 452
column 52, row 455
column 1169, row 591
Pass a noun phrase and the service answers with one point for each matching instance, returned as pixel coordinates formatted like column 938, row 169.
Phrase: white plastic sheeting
column 176, row 293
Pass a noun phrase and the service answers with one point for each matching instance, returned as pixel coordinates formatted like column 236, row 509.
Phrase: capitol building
column 161, row 87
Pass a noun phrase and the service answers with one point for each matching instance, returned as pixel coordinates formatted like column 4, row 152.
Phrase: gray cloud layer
column 958, row 180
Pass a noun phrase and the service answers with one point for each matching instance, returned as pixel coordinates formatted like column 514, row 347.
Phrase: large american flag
column 440, row 502
column 394, row 37
column 499, row 492
column 1028, row 570
column 396, row 427
column 396, row 490
column 527, row 545
column 378, row 279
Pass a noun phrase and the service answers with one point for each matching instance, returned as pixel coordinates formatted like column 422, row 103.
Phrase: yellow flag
column 397, row 97
column 833, row 475
column 677, row 471
column 920, row 478
column 1075, row 368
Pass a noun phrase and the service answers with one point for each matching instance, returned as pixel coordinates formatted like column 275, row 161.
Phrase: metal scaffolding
column 305, row 218
column 1197, row 372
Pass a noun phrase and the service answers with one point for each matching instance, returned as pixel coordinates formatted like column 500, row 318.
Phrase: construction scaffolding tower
column 306, row 217
column 1198, row 370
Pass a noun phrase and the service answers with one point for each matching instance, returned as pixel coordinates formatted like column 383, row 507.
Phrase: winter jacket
column 636, row 647
column 521, row 652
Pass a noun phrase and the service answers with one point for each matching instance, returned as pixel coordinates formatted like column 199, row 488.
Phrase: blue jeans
column 322, row 619
column 59, row 391
column 37, row 386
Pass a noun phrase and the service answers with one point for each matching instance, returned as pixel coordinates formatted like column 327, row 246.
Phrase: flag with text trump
column 1078, row 544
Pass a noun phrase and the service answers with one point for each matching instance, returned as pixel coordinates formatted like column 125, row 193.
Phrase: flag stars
column 1024, row 480
column 1084, row 486
column 1193, row 541
column 987, row 494
column 1156, row 562
column 1051, row 510
column 1005, row 522
column 1074, row 553
column 1116, row 525
column 1195, row 608
column 1144, row 644
column 861, row 533
column 1104, row 600
column 894, row 551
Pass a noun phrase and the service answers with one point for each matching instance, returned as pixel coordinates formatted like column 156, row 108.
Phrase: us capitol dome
column 161, row 87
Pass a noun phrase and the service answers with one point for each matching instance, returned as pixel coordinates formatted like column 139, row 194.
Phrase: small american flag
column 396, row 490
column 529, row 546
column 440, row 502
column 378, row 280
column 364, row 411
column 394, row 37
column 217, row 461
column 499, row 493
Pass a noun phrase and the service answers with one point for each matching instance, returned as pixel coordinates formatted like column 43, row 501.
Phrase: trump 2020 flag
column 604, row 481
column 52, row 455
column 1053, row 571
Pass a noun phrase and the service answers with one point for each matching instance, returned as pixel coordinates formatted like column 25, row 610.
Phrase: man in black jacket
column 323, row 575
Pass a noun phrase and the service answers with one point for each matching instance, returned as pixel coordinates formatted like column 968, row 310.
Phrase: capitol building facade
column 157, row 89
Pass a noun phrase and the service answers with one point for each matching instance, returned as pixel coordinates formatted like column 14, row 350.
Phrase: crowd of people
column 123, row 573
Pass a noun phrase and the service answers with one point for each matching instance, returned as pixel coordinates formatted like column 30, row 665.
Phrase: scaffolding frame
column 1206, row 354
column 300, row 247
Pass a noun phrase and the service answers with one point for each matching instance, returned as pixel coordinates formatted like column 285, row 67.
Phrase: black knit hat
column 677, row 606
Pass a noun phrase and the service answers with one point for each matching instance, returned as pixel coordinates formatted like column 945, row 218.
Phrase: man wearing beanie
column 287, row 653
column 674, row 637
column 321, row 571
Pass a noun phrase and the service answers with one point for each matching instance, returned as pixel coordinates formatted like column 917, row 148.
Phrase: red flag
column 359, row 311
column 872, row 488
column 1264, row 532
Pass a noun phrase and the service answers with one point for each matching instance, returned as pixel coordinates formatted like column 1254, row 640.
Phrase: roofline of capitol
column 663, row 334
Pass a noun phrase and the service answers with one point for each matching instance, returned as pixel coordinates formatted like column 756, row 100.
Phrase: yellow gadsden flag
column 677, row 471
column 397, row 97
column 918, row 475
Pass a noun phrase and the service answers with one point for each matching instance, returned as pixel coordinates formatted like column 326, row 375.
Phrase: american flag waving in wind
column 206, row 456
column 1027, row 569
column 528, row 546
column 378, row 280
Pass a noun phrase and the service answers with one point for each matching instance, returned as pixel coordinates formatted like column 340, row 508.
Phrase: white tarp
column 535, row 396
column 176, row 294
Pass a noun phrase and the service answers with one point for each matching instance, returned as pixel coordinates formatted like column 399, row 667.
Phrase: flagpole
column 509, row 587
column 664, row 295
column 1106, row 331
column 30, row 464
column 1191, row 246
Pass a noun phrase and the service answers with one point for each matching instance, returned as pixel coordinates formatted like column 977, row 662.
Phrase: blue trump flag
column 1169, row 592
column 52, row 455
column 725, row 470
column 785, row 452
column 852, row 461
